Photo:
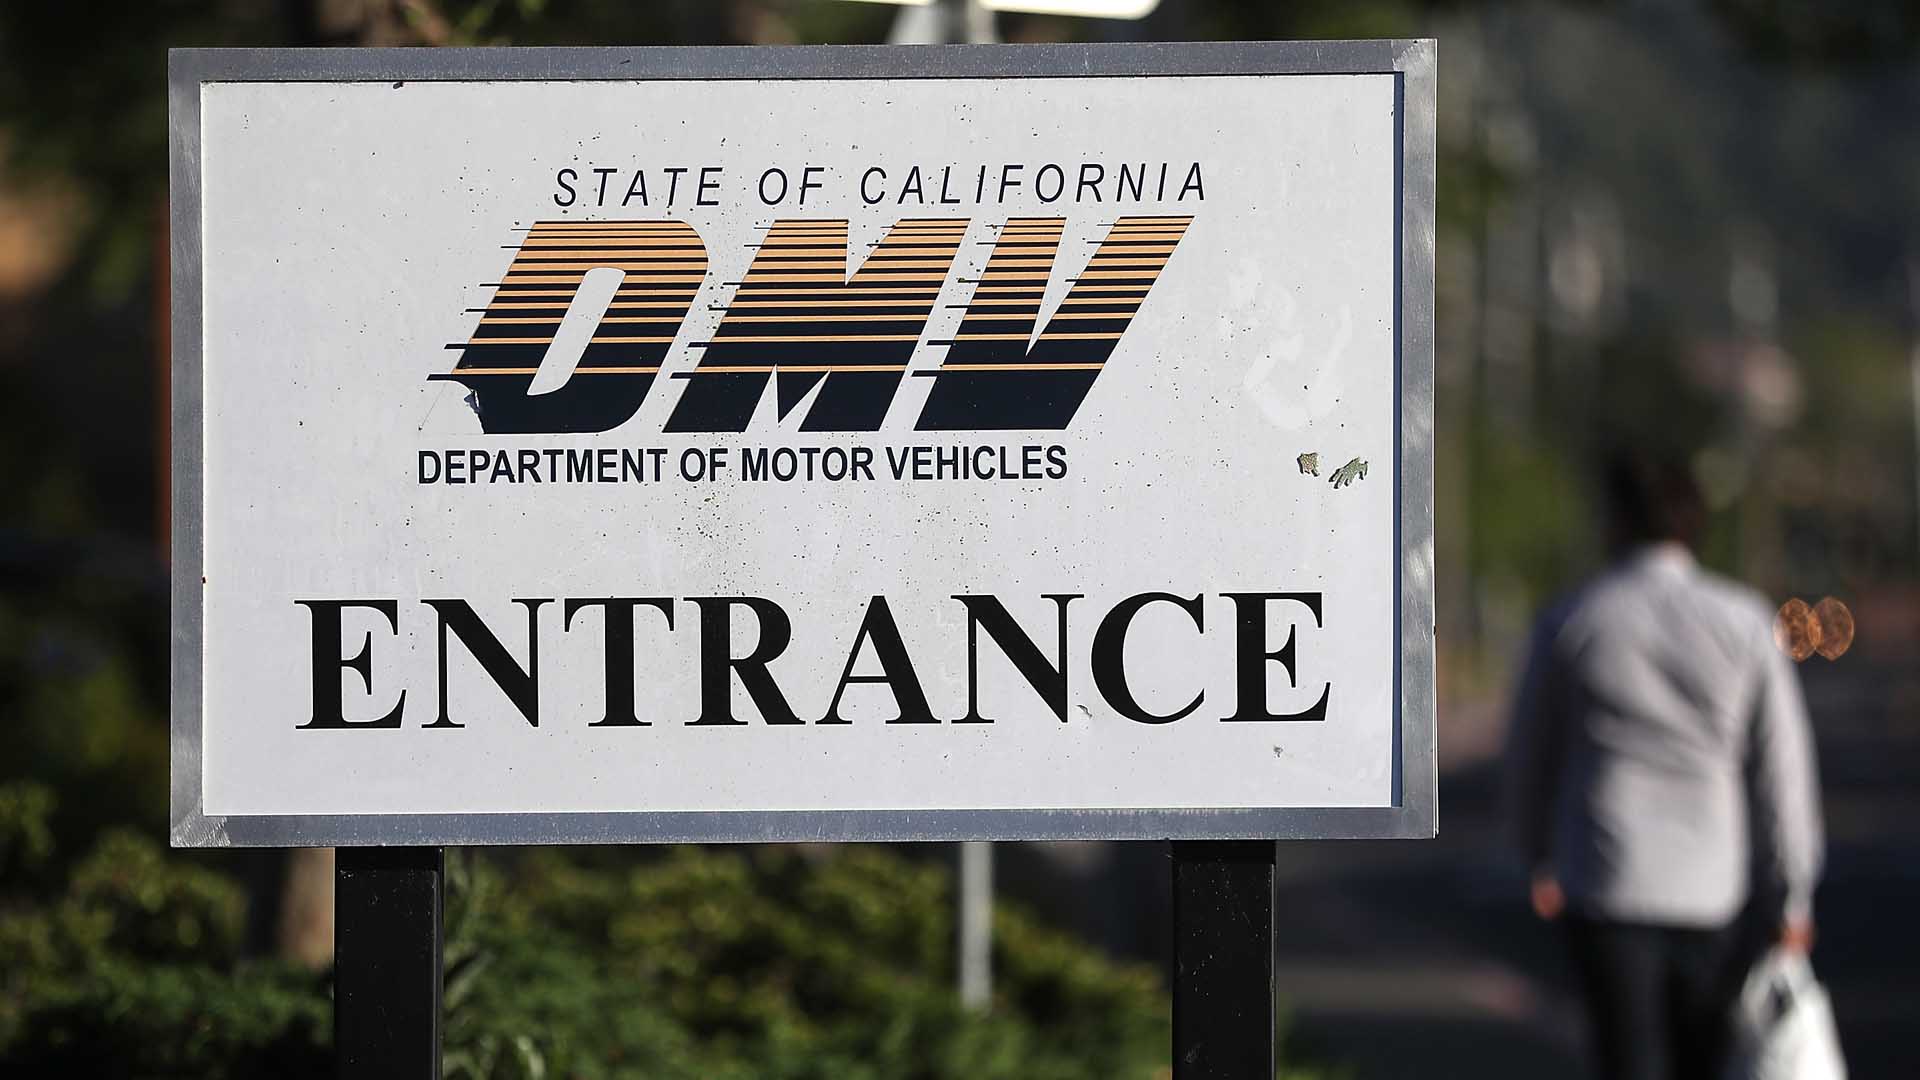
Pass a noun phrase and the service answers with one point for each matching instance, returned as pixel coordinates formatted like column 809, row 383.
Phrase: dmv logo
column 798, row 320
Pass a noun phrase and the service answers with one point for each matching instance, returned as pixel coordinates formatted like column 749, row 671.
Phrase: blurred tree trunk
column 305, row 931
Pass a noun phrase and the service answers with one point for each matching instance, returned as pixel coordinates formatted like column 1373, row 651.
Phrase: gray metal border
column 1415, row 813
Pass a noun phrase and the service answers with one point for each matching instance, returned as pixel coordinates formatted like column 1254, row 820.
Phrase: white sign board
column 635, row 445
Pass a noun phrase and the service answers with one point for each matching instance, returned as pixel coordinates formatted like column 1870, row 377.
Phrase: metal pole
column 976, row 24
column 943, row 22
column 1223, row 994
column 386, row 962
column 976, row 923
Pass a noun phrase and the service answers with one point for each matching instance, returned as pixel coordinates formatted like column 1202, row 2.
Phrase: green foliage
column 134, row 971
column 132, row 1019
column 26, row 832
column 767, row 963
column 1531, row 518
column 81, row 717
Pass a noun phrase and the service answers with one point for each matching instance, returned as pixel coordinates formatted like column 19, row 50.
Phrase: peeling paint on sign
column 1348, row 473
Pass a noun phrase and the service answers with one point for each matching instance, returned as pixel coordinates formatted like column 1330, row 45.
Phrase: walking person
column 1662, row 784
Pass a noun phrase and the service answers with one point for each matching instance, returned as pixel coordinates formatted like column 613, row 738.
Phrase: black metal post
column 386, row 962
column 1223, row 1002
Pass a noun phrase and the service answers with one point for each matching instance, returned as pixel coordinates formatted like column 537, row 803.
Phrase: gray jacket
column 1659, row 760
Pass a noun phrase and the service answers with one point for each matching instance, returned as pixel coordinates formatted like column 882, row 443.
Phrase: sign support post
column 1223, row 994
column 386, row 961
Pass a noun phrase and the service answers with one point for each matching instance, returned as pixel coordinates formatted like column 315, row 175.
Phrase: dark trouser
column 1659, row 997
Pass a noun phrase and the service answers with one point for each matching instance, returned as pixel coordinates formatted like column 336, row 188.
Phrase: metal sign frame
column 1413, row 812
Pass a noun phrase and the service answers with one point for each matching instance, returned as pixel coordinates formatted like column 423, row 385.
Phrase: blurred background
column 1685, row 223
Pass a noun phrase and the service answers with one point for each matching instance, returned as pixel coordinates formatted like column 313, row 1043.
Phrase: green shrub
column 767, row 963
column 770, row 963
column 699, row 964
column 125, row 1019
column 134, row 971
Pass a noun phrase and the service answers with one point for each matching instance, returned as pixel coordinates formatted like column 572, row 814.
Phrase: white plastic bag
column 1783, row 1024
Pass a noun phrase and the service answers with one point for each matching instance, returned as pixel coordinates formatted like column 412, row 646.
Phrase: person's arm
column 1783, row 785
column 1535, row 743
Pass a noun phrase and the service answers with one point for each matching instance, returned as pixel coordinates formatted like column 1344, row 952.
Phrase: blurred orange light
column 1796, row 630
column 1836, row 628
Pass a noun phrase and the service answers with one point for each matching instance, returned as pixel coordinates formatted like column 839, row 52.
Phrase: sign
column 624, row 445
